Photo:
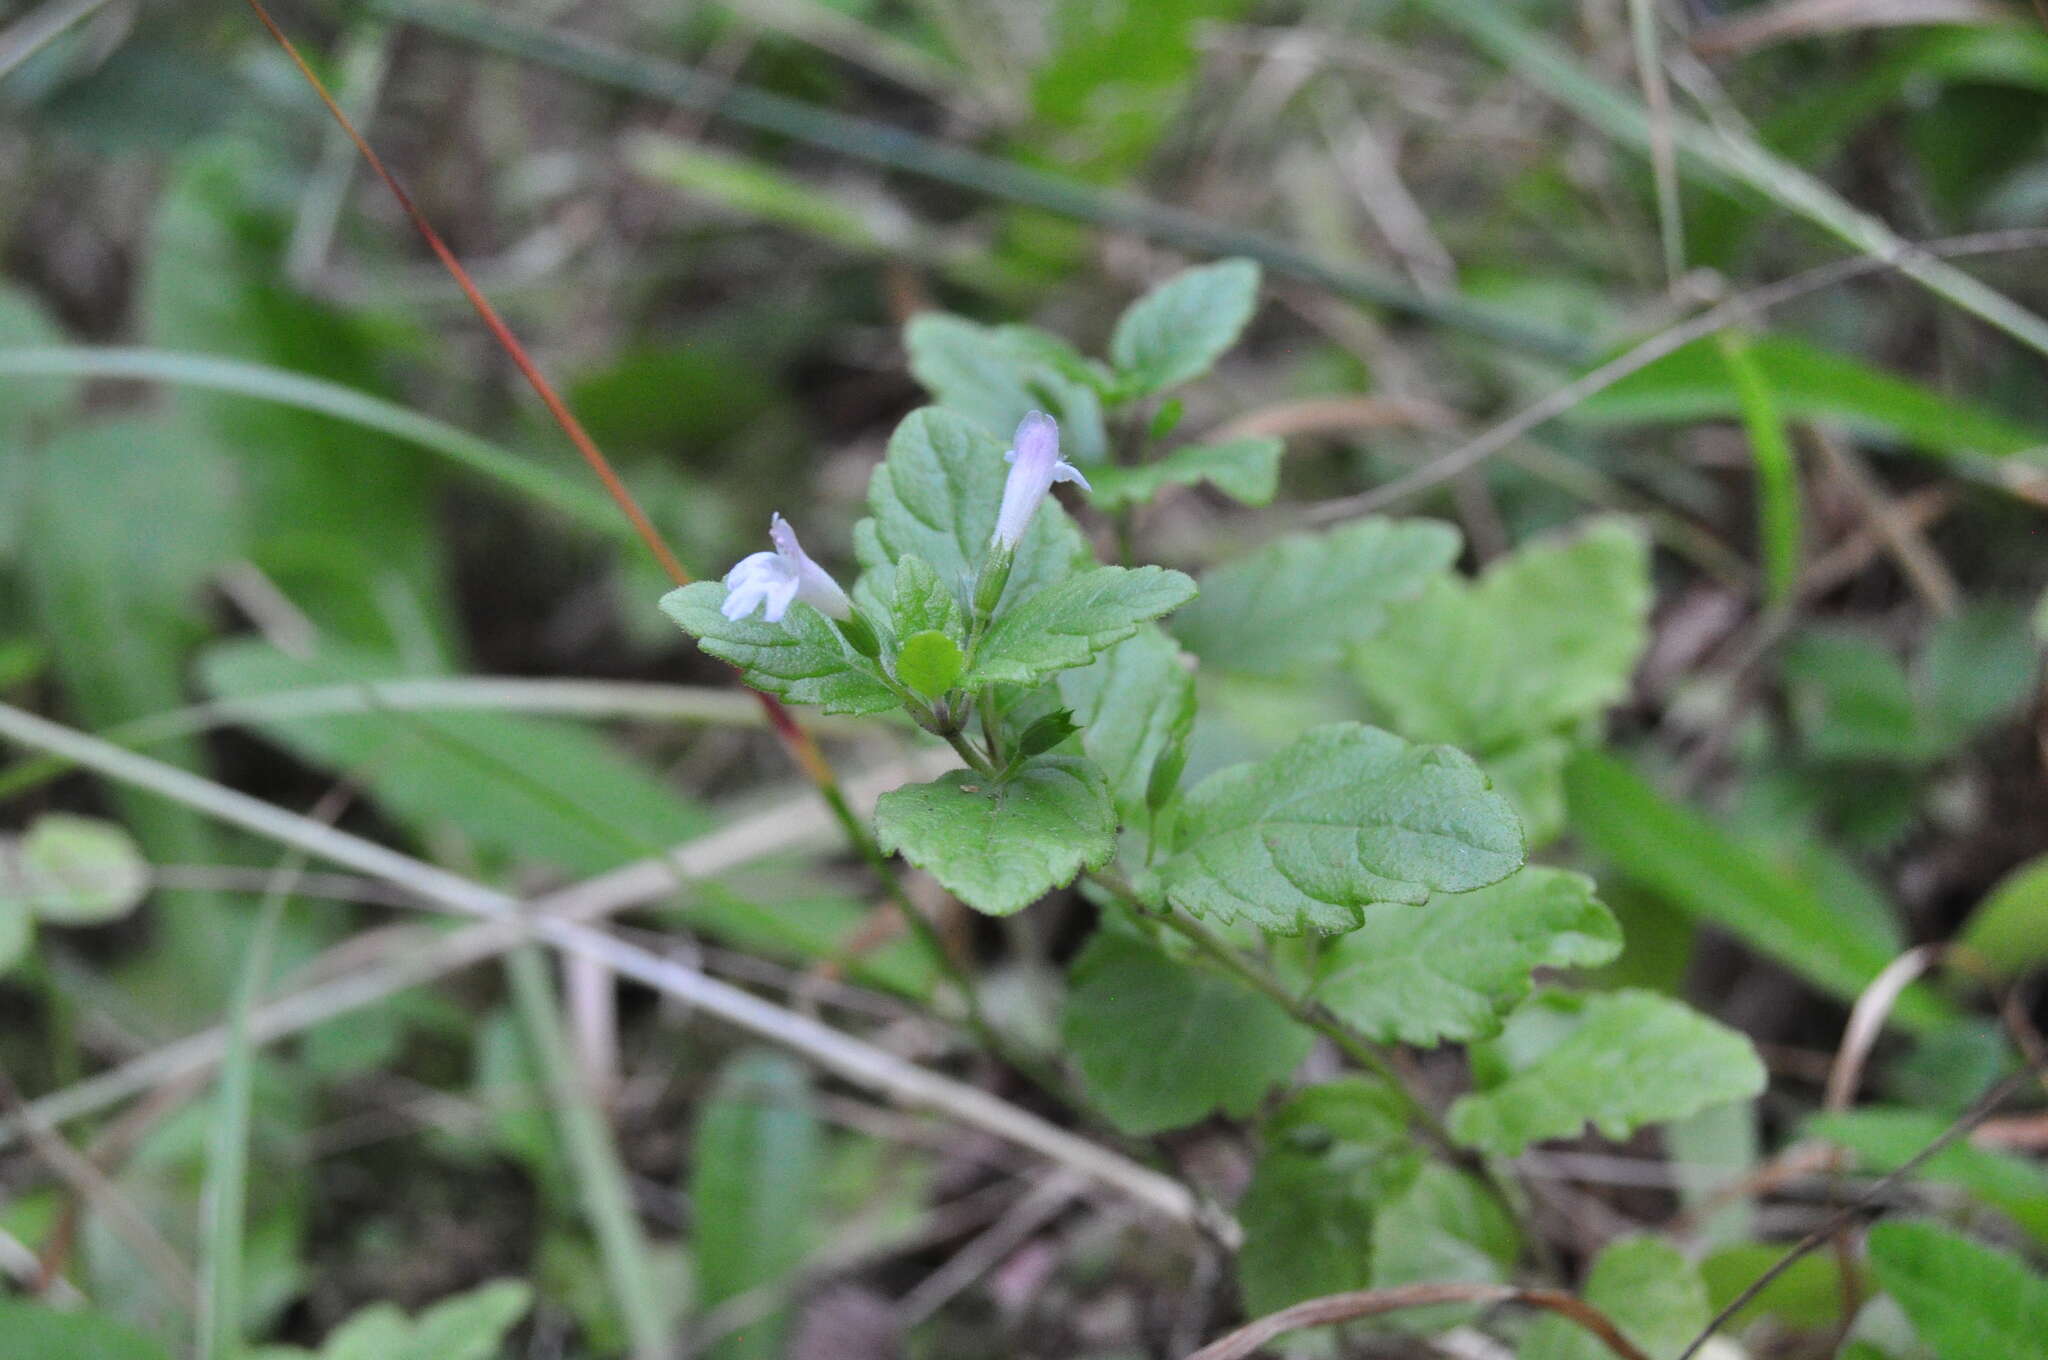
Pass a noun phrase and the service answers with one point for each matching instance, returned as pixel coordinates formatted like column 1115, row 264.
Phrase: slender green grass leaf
column 1713, row 877
column 1777, row 467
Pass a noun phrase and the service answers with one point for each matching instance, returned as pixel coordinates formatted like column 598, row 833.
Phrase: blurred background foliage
column 252, row 445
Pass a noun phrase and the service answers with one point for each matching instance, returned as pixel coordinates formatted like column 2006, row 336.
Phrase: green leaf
column 531, row 790
column 1246, row 470
column 17, row 917
column 1806, row 1296
column 936, row 496
column 41, row 1333
column 1883, row 1140
column 930, row 663
column 1134, row 702
column 1001, row 847
column 1345, row 817
column 1646, row 1287
column 923, row 603
column 1163, row 1043
column 1544, row 640
column 996, row 375
column 1066, row 624
column 1977, row 666
column 754, row 1190
column 1335, row 1155
column 1446, row 1227
column 1296, row 604
column 2008, row 932
column 1716, row 877
column 1617, row 1060
column 1811, row 384
column 73, row 871
column 1967, row 1301
column 1181, row 328
column 803, row 658
column 472, row 1325
column 1451, row 969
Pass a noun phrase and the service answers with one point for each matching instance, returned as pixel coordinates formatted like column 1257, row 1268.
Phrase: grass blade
column 1777, row 468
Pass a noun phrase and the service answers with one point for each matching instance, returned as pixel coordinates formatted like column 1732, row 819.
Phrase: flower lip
column 772, row 581
column 1035, row 464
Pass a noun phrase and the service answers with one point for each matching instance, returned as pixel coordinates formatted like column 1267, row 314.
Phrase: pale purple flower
column 1035, row 464
column 776, row 580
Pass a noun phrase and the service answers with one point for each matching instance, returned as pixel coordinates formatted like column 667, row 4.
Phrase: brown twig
column 1334, row 1308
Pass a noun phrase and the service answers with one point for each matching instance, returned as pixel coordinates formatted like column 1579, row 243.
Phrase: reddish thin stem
column 800, row 744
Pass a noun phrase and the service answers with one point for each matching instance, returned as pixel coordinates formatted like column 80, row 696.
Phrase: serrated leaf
column 1345, row 817
column 472, row 1325
column 1617, row 1061
column 1180, row 329
column 1246, row 470
column 1446, row 1227
column 936, row 496
column 930, row 663
column 1646, row 1287
column 1967, row 1301
column 996, row 375
column 1335, row 1155
column 1001, row 847
column 1544, row 639
column 1133, row 702
column 1162, row 1043
column 1297, row 604
column 803, row 658
column 924, row 603
column 1451, row 969
column 1066, row 624
column 73, row 871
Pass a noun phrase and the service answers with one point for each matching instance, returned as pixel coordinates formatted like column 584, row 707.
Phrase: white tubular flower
column 1035, row 464
column 776, row 580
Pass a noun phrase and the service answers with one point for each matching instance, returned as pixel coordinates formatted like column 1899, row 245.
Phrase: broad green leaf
column 1446, row 1227
column 1967, row 1301
column 1335, row 1156
column 1807, row 1295
column 923, row 603
column 1163, row 1043
column 1977, row 666
column 1133, row 702
column 74, row 871
column 531, row 790
column 1646, row 1287
column 935, row 497
column 1715, row 877
column 1068, row 623
column 803, row 658
column 996, row 375
column 472, row 1325
column 121, row 610
column 1615, row 1060
column 35, row 1332
column 1544, row 640
column 26, row 406
column 1116, row 80
column 1181, row 328
column 1345, row 817
column 930, row 663
column 1852, row 700
column 1885, row 1139
column 2008, row 932
column 1811, row 384
column 1295, row 605
column 754, row 1190
column 1246, row 470
column 1001, row 847
column 1453, row 968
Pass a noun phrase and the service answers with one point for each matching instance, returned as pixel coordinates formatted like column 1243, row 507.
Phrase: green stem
column 592, row 1156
